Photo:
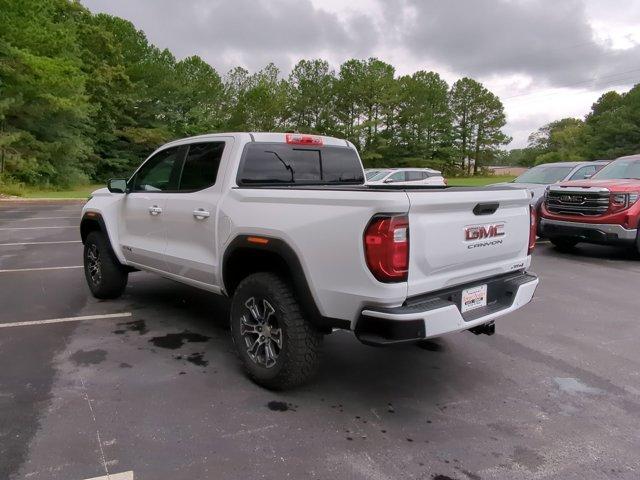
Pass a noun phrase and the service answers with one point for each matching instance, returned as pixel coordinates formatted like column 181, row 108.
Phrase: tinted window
column 415, row 175
column 621, row 168
column 544, row 175
column 398, row 177
column 281, row 163
column 379, row 176
column 160, row 172
column 201, row 166
column 584, row 172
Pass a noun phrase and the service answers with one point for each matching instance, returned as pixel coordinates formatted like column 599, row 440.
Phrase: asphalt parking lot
column 154, row 390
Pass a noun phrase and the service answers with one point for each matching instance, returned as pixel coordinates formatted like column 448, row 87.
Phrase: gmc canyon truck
column 603, row 209
column 285, row 226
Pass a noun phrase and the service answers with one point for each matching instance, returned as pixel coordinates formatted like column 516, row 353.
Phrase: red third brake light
column 533, row 229
column 386, row 247
column 300, row 139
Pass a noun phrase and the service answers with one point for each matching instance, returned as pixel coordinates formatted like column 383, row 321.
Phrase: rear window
column 278, row 163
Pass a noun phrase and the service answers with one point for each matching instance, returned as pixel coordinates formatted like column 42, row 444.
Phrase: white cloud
column 545, row 59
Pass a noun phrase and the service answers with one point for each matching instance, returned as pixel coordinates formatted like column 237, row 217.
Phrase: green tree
column 463, row 100
column 478, row 121
column 44, row 134
column 310, row 99
column 198, row 98
column 423, row 119
column 559, row 141
column 363, row 92
column 613, row 126
column 489, row 120
column 265, row 100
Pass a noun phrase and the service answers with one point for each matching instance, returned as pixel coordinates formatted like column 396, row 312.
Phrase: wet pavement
column 160, row 393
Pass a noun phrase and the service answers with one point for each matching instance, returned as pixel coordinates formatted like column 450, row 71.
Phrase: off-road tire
column 563, row 243
column 299, row 356
column 113, row 276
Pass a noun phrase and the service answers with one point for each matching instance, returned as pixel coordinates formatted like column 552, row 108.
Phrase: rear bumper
column 588, row 232
column 437, row 314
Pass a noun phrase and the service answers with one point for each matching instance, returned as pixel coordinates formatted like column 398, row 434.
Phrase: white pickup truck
column 285, row 226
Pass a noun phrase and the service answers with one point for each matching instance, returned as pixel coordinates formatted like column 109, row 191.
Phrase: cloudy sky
column 546, row 59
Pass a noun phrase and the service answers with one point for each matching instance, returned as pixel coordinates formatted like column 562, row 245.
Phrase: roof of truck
column 271, row 137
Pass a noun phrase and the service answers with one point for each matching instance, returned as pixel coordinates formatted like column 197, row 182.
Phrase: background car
column 539, row 177
column 369, row 173
column 408, row 176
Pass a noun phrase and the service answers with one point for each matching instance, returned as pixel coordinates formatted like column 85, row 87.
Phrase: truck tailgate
column 459, row 236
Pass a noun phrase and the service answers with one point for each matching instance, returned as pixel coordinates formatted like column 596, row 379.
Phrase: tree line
column 84, row 97
column 611, row 129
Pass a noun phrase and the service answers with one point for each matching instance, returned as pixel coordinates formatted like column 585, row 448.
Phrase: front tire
column 105, row 276
column 563, row 243
column 278, row 347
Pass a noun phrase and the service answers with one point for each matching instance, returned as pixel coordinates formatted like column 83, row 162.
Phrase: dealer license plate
column 474, row 297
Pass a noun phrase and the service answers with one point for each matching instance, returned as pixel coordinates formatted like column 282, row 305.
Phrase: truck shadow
column 588, row 251
column 367, row 376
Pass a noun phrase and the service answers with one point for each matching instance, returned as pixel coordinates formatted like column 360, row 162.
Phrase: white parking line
column 12, row 270
column 36, row 218
column 36, row 228
column 56, row 210
column 38, row 243
column 115, row 476
column 68, row 319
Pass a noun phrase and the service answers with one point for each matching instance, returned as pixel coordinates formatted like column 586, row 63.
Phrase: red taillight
column 533, row 229
column 300, row 139
column 386, row 247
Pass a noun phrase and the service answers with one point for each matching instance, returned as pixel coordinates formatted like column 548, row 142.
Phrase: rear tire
column 278, row 347
column 105, row 275
column 563, row 243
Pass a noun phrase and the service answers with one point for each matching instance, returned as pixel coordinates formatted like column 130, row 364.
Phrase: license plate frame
column 473, row 298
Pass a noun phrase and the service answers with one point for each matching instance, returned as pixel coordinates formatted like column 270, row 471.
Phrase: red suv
column 603, row 209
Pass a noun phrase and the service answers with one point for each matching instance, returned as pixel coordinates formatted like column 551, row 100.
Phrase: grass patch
column 82, row 191
column 478, row 181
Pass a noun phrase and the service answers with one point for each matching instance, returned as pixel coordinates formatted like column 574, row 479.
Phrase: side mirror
column 389, row 180
column 117, row 185
column 588, row 176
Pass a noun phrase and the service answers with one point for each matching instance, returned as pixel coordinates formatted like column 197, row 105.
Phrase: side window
column 584, row 172
column 397, row 177
column 160, row 173
column 414, row 176
column 201, row 166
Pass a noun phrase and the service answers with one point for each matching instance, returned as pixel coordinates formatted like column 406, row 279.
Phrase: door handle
column 155, row 210
column 201, row 214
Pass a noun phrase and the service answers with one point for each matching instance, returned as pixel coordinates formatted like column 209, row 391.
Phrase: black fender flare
column 246, row 243
column 89, row 219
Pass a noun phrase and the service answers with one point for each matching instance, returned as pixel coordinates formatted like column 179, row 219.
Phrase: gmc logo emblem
column 484, row 231
column 571, row 198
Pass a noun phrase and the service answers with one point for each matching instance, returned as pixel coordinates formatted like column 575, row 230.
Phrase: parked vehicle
column 285, row 226
column 603, row 209
column 537, row 178
column 409, row 176
column 369, row 173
